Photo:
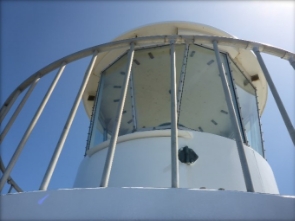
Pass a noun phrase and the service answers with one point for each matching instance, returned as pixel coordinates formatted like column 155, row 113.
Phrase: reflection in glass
column 109, row 97
column 202, row 105
column 96, row 136
column 152, row 85
column 249, row 110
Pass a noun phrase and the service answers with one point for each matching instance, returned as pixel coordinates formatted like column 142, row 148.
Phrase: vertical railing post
column 174, row 130
column 234, row 121
column 30, row 129
column 18, row 109
column 64, row 134
column 276, row 96
column 112, row 146
column 4, row 110
column 10, row 188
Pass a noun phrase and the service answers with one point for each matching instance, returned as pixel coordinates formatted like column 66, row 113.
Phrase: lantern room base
column 144, row 159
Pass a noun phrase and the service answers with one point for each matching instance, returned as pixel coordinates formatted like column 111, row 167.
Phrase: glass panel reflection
column 112, row 88
column 113, row 78
column 203, row 105
column 147, row 105
column 249, row 111
column 152, row 85
column 96, row 135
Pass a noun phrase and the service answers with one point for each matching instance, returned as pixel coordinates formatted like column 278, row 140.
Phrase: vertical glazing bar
column 4, row 110
column 174, row 130
column 182, row 77
column 95, row 113
column 64, row 134
column 276, row 96
column 105, row 134
column 111, row 150
column 18, row 109
column 236, row 103
column 30, row 129
column 234, row 120
column 259, row 123
column 292, row 62
column 134, row 114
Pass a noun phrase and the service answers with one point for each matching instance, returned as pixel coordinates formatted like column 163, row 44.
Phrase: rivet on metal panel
column 223, row 111
column 214, row 122
column 151, row 55
column 136, row 62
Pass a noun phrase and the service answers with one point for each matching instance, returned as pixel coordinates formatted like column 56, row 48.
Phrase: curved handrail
column 161, row 39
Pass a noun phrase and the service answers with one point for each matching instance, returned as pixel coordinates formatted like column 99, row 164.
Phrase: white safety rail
column 132, row 45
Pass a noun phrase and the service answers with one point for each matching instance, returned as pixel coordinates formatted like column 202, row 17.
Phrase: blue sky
column 34, row 34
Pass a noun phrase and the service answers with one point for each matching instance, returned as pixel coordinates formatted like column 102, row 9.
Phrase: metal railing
column 133, row 44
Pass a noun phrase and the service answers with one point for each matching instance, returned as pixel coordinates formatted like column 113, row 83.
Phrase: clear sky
column 34, row 34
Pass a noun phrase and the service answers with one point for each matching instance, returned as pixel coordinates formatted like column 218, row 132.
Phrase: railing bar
column 17, row 111
column 66, row 129
column 234, row 121
column 10, row 188
column 112, row 147
column 276, row 96
column 174, row 129
column 16, row 187
column 5, row 109
column 30, row 129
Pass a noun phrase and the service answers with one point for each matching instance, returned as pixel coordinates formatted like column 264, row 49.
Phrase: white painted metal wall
column 143, row 160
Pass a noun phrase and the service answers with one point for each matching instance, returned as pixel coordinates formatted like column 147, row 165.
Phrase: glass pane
column 233, row 93
column 112, row 88
column 249, row 111
column 96, row 133
column 113, row 78
column 151, row 74
column 147, row 104
column 203, row 105
column 147, row 107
